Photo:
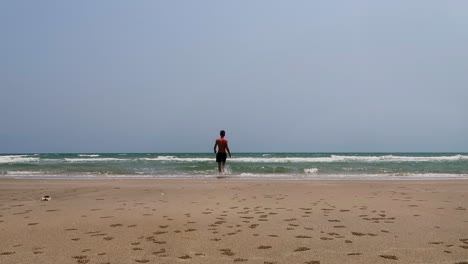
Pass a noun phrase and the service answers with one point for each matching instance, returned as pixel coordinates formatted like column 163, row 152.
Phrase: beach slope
column 233, row 221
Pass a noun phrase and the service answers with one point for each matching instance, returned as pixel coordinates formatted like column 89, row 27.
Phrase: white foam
column 173, row 158
column 278, row 160
column 92, row 159
column 311, row 170
column 25, row 173
column 89, row 155
column 393, row 158
column 333, row 158
column 404, row 176
column 341, row 158
column 408, row 176
column 17, row 159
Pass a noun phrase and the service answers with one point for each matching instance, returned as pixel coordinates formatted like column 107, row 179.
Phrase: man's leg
column 219, row 167
column 222, row 166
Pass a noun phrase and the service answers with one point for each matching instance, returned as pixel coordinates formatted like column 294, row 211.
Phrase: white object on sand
column 46, row 198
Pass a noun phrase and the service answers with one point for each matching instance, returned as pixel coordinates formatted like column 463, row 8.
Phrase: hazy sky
column 166, row 76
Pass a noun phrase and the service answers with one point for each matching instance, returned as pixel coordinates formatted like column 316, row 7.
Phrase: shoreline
column 248, row 177
column 233, row 221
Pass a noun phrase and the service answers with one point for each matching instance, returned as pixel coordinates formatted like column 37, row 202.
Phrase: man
column 221, row 155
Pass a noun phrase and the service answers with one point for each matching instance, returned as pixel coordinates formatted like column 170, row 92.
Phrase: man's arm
column 228, row 151
column 214, row 149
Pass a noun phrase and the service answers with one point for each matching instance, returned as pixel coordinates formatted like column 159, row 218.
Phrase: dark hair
column 222, row 133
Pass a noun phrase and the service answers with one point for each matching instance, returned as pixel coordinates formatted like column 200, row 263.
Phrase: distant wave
column 173, row 158
column 89, row 155
column 18, row 159
column 339, row 158
column 92, row 159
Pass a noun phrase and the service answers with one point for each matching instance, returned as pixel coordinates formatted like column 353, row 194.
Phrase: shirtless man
column 221, row 155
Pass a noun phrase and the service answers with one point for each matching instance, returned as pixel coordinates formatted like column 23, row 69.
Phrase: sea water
column 304, row 166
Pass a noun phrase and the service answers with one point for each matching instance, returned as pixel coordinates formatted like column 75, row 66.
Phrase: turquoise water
column 242, row 165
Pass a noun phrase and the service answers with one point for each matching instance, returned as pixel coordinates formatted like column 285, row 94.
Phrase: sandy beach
column 233, row 221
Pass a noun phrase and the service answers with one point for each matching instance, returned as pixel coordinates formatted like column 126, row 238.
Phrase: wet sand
column 233, row 221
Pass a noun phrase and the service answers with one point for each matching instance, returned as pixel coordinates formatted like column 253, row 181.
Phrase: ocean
column 294, row 166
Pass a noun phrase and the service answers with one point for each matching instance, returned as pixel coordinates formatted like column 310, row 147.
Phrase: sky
column 278, row 76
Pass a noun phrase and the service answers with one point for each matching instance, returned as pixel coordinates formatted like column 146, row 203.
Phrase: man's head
column 222, row 133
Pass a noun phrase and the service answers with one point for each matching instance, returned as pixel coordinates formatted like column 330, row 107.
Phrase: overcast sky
column 278, row 76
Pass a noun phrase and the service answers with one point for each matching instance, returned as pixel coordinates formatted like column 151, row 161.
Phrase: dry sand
column 233, row 221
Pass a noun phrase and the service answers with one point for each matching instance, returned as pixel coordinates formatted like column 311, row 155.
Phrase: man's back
column 222, row 144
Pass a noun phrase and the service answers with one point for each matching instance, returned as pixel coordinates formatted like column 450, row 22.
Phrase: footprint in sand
column 185, row 257
column 161, row 251
column 264, row 247
column 389, row 257
column 227, row 252
column 300, row 249
column 81, row 259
